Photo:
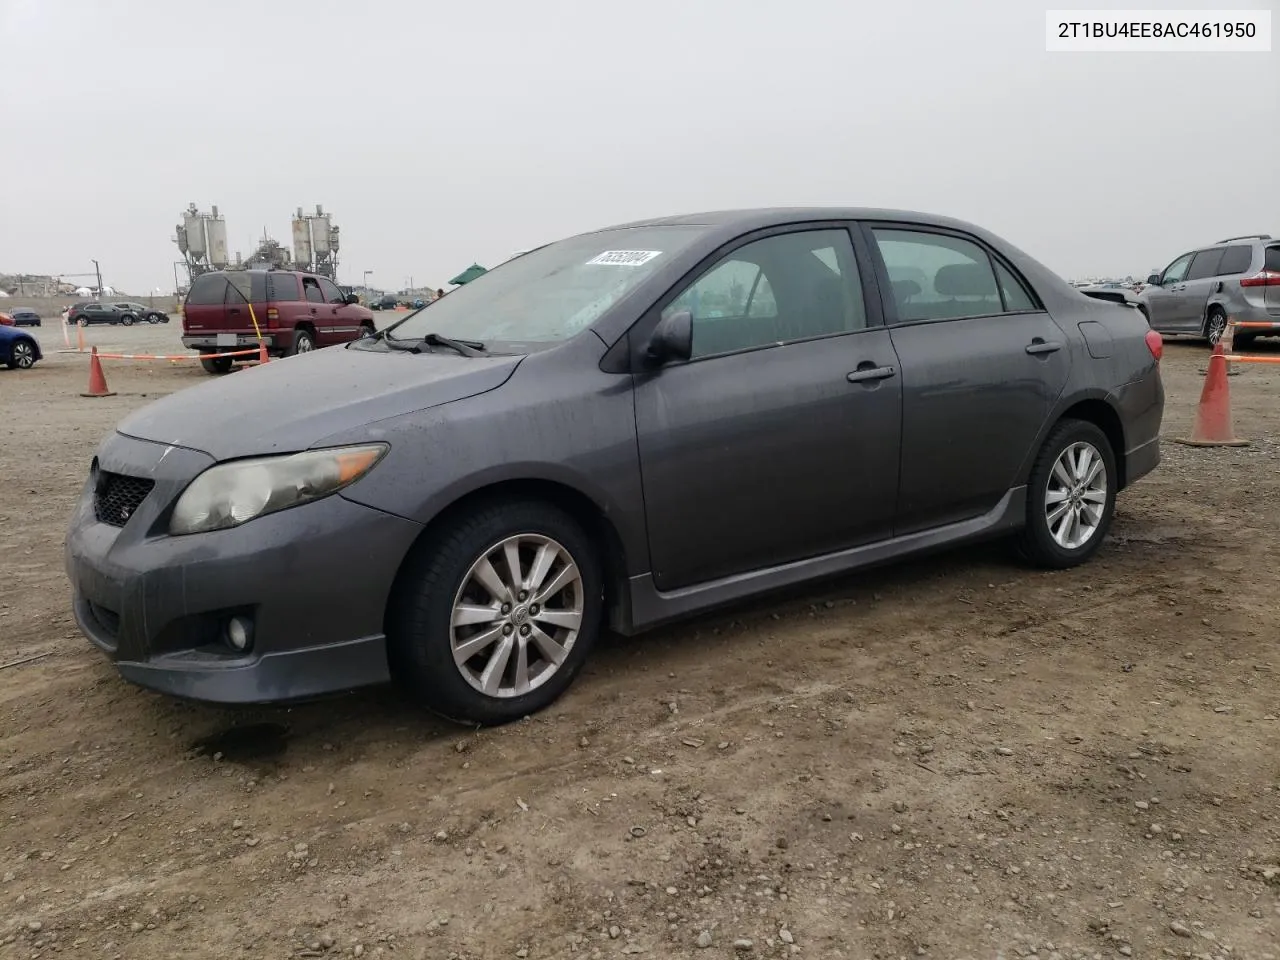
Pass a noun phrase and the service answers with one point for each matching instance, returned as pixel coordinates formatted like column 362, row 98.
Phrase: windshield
column 551, row 293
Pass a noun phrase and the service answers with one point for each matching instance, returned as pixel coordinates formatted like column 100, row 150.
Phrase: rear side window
column 1016, row 297
column 208, row 289
column 1205, row 264
column 282, row 287
column 934, row 276
column 1235, row 260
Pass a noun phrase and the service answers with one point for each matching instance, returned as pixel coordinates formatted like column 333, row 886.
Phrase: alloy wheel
column 1216, row 327
column 24, row 357
column 1076, row 495
column 517, row 615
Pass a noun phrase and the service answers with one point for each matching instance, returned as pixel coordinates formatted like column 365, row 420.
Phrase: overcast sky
column 445, row 132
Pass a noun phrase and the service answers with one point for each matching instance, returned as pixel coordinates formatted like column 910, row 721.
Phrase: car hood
column 289, row 405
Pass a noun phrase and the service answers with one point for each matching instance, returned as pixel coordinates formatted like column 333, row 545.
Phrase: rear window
column 208, row 289
column 1235, row 260
column 1273, row 259
column 250, row 286
column 282, row 287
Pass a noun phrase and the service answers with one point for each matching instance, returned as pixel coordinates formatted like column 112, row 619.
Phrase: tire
column 441, row 575
column 1215, row 324
column 304, row 341
column 22, row 355
column 215, row 364
column 127, row 320
column 366, row 330
column 1053, row 546
column 153, row 319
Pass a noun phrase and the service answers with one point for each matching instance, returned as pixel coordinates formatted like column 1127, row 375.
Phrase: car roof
column 761, row 217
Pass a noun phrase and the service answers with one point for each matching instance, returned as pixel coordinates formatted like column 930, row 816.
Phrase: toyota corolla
column 619, row 429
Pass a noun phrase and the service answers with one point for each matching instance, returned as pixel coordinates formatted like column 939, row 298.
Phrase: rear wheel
column 1071, row 496
column 127, row 320
column 1215, row 325
column 304, row 341
column 213, row 363
column 493, row 617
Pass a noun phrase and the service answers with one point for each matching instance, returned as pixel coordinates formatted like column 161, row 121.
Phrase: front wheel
column 127, row 320
column 493, row 617
column 22, row 356
column 1071, row 496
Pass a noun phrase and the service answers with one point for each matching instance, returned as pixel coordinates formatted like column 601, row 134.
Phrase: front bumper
column 314, row 581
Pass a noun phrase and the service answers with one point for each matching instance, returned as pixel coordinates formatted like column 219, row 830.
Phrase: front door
column 778, row 439
column 982, row 367
column 1166, row 302
column 336, row 323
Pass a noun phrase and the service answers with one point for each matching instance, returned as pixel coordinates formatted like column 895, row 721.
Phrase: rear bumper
column 225, row 342
column 1142, row 460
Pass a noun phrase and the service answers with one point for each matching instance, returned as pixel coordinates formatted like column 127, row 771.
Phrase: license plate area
column 226, row 340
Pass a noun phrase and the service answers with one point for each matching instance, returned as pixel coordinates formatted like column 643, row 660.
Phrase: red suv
column 295, row 313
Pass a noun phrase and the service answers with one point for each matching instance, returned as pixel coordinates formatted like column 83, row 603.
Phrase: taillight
column 1267, row 278
column 1155, row 343
column 272, row 314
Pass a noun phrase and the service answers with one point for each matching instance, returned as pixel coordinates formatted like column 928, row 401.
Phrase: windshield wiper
column 468, row 348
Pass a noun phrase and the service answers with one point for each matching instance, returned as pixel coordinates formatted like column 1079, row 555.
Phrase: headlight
column 234, row 493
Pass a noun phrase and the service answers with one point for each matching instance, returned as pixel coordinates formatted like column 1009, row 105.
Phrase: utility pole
column 367, row 274
column 98, row 270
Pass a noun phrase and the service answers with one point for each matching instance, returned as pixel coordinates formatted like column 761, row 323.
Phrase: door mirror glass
column 1154, row 279
column 350, row 298
column 672, row 338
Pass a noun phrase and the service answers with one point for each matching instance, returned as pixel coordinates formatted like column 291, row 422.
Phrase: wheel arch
column 583, row 508
column 1094, row 407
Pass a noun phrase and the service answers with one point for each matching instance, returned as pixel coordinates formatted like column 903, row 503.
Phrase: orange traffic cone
column 97, row 380
column 1213, row 427
column 262, row 351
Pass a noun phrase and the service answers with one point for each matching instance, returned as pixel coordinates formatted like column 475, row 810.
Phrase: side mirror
column 1154, row 280
column 350, row 298
column 672, row 338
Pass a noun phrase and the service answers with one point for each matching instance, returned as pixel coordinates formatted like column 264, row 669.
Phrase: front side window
column 793, row 286
column 1205, row 265
column 331, row 292
column 934, row 276
column 554, row 292
column 1176, row 272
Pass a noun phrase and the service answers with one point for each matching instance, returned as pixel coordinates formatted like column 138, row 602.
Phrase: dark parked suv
column 625, row 427
column 1237, row 278
column 295, row 313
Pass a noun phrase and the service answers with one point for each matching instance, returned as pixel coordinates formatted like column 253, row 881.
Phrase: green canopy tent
column 469, row 274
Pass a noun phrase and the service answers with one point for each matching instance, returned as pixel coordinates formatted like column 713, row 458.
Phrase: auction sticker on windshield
column 624, row 258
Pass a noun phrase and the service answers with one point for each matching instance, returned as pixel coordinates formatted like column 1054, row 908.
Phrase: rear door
column 983, row 364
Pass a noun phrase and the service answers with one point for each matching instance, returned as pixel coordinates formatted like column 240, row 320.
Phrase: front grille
column 117, row 496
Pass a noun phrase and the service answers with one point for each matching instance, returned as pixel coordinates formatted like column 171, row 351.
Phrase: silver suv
column 1237, row 278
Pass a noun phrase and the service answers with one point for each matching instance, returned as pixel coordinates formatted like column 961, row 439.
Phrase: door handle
column 234, row 310
column 864, row 374
column 1038, row 346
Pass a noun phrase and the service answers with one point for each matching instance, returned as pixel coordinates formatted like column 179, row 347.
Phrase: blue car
column 18, row 349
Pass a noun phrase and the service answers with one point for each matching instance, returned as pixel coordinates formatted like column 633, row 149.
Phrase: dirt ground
column 952, row 758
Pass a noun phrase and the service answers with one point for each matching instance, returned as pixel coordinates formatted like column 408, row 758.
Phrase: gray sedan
column 625, row 427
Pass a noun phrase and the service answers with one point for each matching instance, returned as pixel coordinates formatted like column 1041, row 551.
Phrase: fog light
column 239, row 633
